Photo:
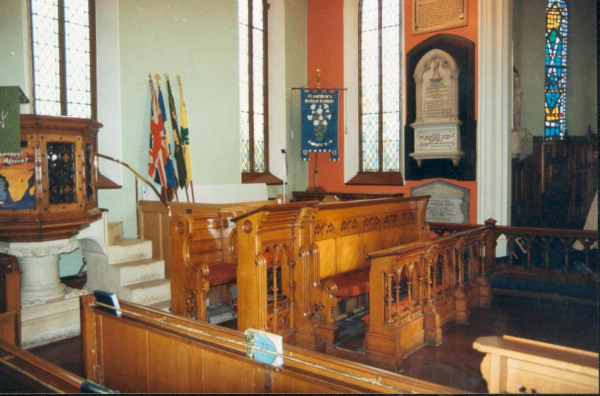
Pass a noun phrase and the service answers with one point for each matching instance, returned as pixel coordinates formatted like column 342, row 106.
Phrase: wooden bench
column 203, row 256
column 438, row 276
column 517, row 365
column 341, row 235
column 146, row 350
column 320, row 249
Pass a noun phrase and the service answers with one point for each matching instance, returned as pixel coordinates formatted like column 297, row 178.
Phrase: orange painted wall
column 325, row 41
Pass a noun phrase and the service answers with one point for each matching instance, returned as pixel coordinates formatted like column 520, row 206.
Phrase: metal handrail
column 138, row 176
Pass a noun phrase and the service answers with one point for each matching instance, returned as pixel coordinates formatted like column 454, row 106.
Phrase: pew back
column 155, row 223
column 200, row 240
column 150, row 351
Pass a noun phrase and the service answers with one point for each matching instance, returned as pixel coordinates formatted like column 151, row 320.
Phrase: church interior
column 350, row 196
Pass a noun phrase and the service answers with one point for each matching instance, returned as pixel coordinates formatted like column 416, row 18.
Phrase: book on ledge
column 266, row 341
column 108, row 298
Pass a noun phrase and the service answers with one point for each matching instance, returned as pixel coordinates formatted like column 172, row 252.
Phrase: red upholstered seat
column 222, row 273
column 353, row 284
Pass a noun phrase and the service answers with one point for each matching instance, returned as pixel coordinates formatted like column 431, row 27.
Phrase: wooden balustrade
column 552, row 255
column 398, row 325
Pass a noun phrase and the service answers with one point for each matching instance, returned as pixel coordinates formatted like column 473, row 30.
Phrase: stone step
column 129, row 249
column 114, row 231
column 146, row 293
column 161, row 306
column 138, row 271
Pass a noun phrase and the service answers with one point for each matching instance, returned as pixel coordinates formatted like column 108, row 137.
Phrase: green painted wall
column 529, row 24
column 13, row 41
column 198, row 40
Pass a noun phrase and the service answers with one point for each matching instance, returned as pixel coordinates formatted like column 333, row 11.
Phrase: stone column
column 38, row 261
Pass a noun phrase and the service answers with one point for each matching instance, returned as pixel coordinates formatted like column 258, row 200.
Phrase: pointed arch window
column 380, row 96
column 254, row 130
column 63, row 52
column 556, row 67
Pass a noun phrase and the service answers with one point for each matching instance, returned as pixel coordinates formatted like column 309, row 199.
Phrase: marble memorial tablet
column 437, row 127
column 449, row 203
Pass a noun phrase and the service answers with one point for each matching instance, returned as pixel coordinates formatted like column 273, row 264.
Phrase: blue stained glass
column 556, row 66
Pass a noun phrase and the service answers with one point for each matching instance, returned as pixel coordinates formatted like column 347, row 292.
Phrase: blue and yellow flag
column 169, row 168
column 181, row 169
column 319, row 109
column 185, row 136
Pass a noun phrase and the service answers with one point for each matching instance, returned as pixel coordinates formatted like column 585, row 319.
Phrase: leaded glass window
column 252, row 17
column 380, row 27
column 62, row 33
column 556, row 67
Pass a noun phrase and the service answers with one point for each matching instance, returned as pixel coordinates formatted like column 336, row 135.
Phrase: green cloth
column 10, row 120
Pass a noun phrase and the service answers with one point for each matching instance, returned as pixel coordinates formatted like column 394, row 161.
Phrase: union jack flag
column 159, row 153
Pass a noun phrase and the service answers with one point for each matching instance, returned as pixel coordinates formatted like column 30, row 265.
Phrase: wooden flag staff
column 316, row 187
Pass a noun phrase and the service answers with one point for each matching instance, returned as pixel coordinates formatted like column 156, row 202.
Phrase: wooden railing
column 542, row 253
column 401, row 322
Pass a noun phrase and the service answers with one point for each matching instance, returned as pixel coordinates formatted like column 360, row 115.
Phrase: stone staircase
column 124, row 266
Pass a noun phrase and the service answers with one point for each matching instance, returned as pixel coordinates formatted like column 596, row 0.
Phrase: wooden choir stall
column 299, row 269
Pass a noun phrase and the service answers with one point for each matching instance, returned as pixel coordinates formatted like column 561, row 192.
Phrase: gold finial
column 167, row 76
column 179, row 78
column 318, row 78
column 157, row 76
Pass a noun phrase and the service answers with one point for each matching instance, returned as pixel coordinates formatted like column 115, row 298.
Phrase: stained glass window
column 556, row 67
column 380, row 84
column 62, row 35
column 252, row 17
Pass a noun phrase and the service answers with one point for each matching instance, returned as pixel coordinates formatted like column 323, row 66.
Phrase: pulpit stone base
column 52, row 320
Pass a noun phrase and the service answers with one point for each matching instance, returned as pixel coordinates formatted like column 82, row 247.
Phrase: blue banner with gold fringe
column 319, row 110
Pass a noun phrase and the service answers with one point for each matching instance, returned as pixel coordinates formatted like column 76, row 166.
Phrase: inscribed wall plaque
column 432, row 15
column 449, row 203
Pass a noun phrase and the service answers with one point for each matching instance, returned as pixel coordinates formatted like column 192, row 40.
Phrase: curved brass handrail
column 139, row 175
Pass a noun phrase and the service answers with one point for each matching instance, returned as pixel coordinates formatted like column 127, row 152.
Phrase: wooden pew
column 23, row 372
column 517, row 365
column 203, row 256
column 400, row 324
column 146, row 350
column 155, row 224
column 320, row 250
column 10, row 300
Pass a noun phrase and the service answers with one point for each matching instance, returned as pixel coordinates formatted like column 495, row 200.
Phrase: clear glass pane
column 46, row 56
column 380, row 57
column 78, row 61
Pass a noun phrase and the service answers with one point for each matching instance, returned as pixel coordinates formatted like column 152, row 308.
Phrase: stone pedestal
column 48, row 313
column 38, row 261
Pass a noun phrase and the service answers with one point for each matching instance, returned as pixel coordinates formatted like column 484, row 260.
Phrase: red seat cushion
column 352, row 284
column 222, row 273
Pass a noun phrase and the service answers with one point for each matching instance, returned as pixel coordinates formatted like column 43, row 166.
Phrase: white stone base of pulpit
column 43, row 322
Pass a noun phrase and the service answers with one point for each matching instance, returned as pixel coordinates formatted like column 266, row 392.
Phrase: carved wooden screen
column 556, row 67
column 62, row 37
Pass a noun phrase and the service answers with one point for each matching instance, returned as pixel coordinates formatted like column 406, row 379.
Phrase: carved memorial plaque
column 432, row 15
column 448, row 203
column 437, row 127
